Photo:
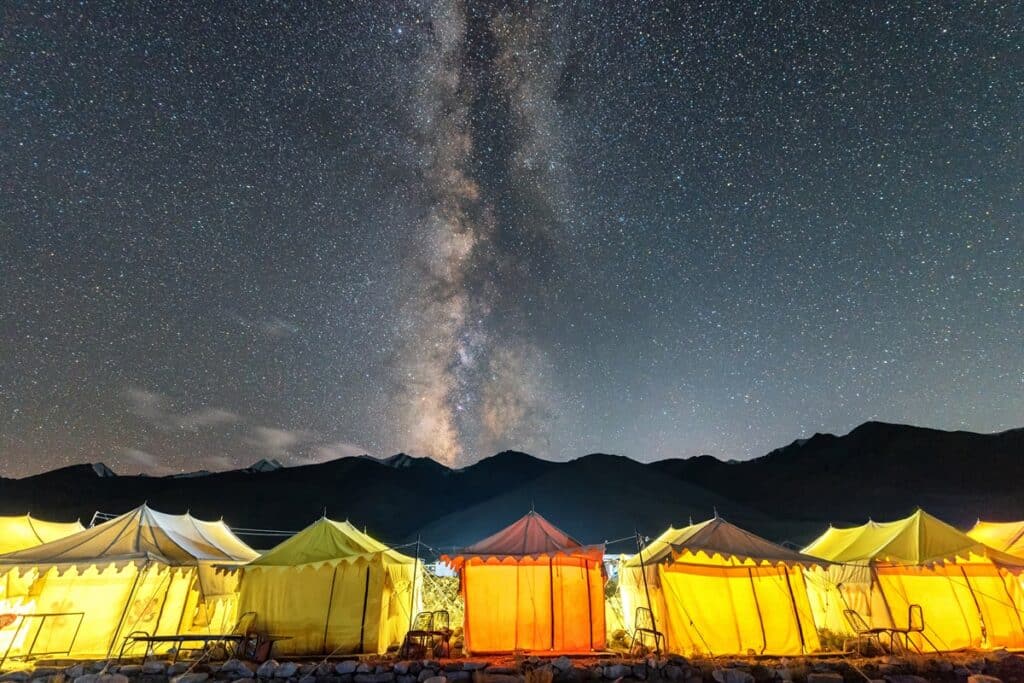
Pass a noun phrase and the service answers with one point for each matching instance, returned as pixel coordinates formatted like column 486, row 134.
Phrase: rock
column 981, row 678
column 477, row 666
column 347, row 666
column 640, row 672
column 154, row 668
column 364, row 668
column 74, row 671
column 503, row 678
column 944, row 665
column 904, row 678
column 102, row 678
column 672, row 672
column 562, row 664
column 178, row 668
column 383, row 677
column 267, row 669
column 502, row 671
column 286, row 670
column 613, row 671
column 737, row 676
column 308, row 669
column 46, row 671
column 434, row 679
column 190, row 678
column 405, row 678
column 961, row 672
column 401, row 668
column 308, row 678
column 825, row 677
column 16, row 676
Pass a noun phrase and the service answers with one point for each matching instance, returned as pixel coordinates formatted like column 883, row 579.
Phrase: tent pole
column 977, row 606
column 127, row 606
column 551, row 599
column 757, row 606
column 412, row 591
column 796, row 612
column 590, row 603
column 330, row 604
column 366, row 595
column 647, row 590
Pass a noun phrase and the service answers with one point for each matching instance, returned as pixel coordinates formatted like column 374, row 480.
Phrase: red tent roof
column 531, row 536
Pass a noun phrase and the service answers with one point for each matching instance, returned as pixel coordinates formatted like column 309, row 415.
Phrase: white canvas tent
column 144, row 570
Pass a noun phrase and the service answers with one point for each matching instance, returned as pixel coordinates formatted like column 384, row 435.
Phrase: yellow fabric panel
column 326, row 541
column 101, row 595
column 300, row 602
column 21, row 532
column 951, row 618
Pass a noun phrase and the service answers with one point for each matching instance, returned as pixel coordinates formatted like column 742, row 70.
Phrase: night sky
column 231, row 231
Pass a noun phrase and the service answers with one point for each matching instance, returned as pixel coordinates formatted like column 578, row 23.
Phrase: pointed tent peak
column 920, row 539
column 719, row 541
column 141, row 534
column 330, row 542
column 531, row 536
column 1007, row 537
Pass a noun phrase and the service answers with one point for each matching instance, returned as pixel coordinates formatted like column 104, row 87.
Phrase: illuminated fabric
column 24, row 531
column 332, row 589
column 716, row 589
column 531, row 587
column 1005, row 536
column 143, row 570
column 970, row 594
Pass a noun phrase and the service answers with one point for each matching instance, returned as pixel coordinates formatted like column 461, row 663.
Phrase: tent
column 531, row 587
column 969, row 593
column 24, row 531
column 332, row 589
column 716, row 589
column 143, row 570
column 1005, row 536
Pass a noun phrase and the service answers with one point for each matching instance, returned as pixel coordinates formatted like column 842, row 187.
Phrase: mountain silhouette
column 878, row 470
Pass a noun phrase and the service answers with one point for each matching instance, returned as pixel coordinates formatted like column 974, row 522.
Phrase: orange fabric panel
column 554, row 606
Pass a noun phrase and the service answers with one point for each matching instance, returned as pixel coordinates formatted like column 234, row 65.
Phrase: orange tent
column 531, row 587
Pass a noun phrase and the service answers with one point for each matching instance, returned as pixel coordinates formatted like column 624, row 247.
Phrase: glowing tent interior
column 1005, row 536
column 531, row 587
column 24, row 531
column 968, row 592
column 332, row 589
column 716, row 589
column 143, row 570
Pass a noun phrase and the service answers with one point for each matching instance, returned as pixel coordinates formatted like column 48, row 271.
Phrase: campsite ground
column 956, row 667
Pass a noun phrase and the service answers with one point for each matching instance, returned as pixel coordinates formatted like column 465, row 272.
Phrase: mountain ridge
column 879, row 470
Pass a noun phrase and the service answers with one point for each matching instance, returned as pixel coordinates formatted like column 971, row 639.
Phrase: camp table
column 205, row 639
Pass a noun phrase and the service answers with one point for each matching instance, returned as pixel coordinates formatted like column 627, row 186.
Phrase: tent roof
column 717, row 538
column 919, row 539
column 142, row 534
column 24, row 531
column 530, row 536
column 1005, row 536
column 328, row 542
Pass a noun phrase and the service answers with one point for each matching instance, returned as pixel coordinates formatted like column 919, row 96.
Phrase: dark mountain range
column 878, row 470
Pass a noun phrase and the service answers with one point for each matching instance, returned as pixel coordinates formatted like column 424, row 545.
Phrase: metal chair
column 915, row 624
column 644, row 629
column 865, row 633
column 429, row 637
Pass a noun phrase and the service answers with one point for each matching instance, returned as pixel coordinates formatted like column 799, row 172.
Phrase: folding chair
column 643, row 629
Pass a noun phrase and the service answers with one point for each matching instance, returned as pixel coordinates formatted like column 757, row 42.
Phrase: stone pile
column 992, row 668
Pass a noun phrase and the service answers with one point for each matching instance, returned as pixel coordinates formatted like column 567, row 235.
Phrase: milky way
column 310, row 230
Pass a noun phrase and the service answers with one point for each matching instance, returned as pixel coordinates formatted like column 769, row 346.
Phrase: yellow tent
column 24, row 531
column 144, row 570
column 531, row 587
column 333, row 589
column 716, row 589
column 1005, row 536
column 968, row 592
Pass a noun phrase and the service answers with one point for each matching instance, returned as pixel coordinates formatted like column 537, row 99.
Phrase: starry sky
column 306, row 230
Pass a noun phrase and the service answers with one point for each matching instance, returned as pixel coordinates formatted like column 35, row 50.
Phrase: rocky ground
column 965, row 667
